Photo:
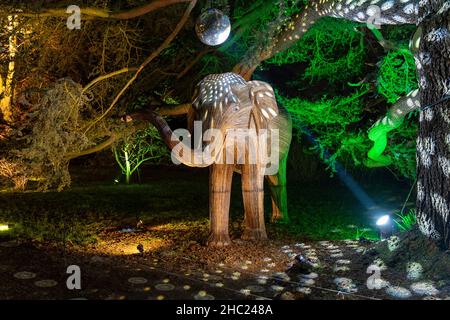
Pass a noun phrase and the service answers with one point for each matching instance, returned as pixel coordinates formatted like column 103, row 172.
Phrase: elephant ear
column 271, row 116
column 282, row 122
column 263, row 100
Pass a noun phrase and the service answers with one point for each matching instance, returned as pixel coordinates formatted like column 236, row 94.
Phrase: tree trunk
column 127, row 168
column 433, row 142
column 8, row 87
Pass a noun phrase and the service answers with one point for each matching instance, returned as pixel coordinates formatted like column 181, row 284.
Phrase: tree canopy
column 70, row 87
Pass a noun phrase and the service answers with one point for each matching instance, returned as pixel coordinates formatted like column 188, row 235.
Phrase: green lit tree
column 433, row 64
column 143, row 146
column 341, row 54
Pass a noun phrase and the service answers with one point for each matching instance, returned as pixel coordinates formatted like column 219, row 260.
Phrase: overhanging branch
column 90, row 13
column 97, row 148
column 173, row 110
column 149, row 59
column 393, row 13
column 144, row 117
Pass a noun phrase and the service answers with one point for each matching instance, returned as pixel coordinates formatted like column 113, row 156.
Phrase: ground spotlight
column 4, row 227
column 384, row 225
column 383, row 220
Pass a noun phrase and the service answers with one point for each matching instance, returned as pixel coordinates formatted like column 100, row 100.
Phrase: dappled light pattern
column 148, row 277
column 337, row 71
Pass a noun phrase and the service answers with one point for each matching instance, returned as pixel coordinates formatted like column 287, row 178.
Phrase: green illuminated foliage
column 143, row 146
column 397, row 75
column 331, row 121
column 333, row 50
column 211, row 64
column 254, row 24
column 336, row 53
column 365, row 233
column 406, row 221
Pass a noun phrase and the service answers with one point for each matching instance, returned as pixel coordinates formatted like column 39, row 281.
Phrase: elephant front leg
column 253, row 194
column 219, row 203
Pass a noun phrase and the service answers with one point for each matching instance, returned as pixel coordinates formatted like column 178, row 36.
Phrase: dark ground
column 175, row 263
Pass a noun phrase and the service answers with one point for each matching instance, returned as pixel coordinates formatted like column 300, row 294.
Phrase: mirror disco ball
column 213, row 27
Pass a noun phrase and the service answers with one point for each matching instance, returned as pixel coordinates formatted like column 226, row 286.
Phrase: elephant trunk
column 185, row 155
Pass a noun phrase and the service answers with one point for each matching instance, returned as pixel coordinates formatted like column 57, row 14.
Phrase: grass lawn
column 179, row 196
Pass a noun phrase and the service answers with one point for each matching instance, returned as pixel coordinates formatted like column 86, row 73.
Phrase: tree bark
column 433, row 142
column 7, row 88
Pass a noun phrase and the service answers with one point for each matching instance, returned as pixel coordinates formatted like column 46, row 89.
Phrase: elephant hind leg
column 220, row 179
column 253, row 195
column 278, row 192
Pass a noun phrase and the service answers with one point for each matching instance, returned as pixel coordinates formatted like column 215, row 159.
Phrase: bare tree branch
column 173, row 110
column 89, row 13
column 154, row 54
column 97, row 148
column 155, row 5
column 107, row 76
column 193, row 62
